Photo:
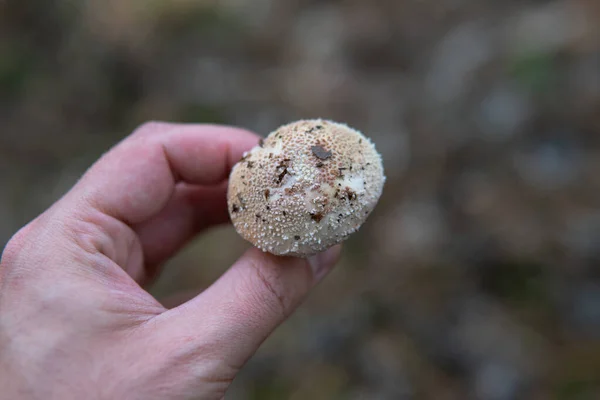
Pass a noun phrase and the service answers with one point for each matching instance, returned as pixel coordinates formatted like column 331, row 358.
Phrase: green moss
column 16, row 66
column 201, row 113
column 574, row 390
column 356, row 251
column 516, row 281
column 273, row 390
column 202, row 20
column 534, row 71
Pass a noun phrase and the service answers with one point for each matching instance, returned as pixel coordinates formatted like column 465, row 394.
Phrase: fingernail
column 323, row 262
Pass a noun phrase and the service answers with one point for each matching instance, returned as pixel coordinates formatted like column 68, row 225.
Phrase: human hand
column 75, row 322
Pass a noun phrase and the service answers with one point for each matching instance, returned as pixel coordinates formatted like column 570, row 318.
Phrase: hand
column 75, row 322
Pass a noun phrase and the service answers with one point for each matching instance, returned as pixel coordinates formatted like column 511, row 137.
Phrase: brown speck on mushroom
column 317, row 217
column 261, row 142
column 320, row 164
column 314, row 128
column 297, row 237
column 267, row 194
column 320, row 152
column 282, row 175
column 235, row 208
column 250, row 164
column 351, row 195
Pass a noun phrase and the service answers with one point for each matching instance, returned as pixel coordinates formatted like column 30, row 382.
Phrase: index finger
column 136, row 179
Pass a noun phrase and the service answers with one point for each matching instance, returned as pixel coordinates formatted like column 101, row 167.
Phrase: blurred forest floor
column 477, row 275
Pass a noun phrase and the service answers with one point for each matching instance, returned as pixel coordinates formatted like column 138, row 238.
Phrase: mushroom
column 306, row 187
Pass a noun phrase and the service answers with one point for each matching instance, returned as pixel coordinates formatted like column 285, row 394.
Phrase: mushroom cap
column 306, row 187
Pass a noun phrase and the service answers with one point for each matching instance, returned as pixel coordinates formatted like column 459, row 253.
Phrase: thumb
column 238, row 312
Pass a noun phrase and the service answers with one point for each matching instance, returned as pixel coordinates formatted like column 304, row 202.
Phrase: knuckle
column 89, row 236
column 14, row 247
column 11, row 258
column 269, row 290
column 9, row 254
column 150, row 128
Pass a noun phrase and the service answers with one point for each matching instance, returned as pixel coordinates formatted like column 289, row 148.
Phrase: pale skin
column 75, row 319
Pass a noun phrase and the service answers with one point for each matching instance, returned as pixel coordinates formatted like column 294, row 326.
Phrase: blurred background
column 476, row 277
